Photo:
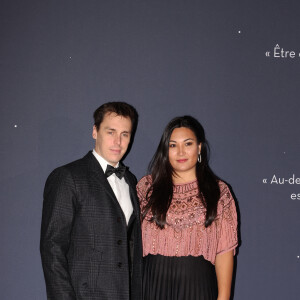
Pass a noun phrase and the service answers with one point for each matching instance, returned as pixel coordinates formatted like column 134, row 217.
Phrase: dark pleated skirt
column 179, row 278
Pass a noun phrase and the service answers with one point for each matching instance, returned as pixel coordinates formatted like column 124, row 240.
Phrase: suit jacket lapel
column 132, row 192
column 95, row 167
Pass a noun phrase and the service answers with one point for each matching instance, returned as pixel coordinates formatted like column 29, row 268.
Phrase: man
column 90, row 237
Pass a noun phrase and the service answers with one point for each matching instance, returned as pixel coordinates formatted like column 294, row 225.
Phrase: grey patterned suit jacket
column 88, row 252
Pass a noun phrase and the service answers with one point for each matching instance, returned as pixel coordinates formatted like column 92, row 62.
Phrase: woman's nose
column 180, row 150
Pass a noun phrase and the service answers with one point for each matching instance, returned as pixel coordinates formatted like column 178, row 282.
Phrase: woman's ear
column 199, row 148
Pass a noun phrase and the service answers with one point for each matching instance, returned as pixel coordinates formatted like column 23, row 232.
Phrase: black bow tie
column 120, row 171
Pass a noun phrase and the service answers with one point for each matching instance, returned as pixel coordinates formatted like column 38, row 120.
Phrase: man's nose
column 118, row 139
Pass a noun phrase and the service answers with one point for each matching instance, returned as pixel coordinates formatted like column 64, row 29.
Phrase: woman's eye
column 172, row 145
column 189, row 144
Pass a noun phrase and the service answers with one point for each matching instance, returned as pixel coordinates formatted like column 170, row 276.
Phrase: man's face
column 113, row 137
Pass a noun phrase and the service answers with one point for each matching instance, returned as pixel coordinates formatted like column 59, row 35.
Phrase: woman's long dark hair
column 160, row 193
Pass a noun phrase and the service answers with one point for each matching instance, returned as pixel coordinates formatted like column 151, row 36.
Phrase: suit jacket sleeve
column 57, row 222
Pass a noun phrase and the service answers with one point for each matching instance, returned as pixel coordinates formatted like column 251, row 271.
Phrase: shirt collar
column 103, row 163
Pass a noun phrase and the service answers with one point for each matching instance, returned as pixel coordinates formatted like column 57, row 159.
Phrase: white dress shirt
column 119, row 187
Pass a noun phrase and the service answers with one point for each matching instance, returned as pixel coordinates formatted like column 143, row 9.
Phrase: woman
column 189, row 223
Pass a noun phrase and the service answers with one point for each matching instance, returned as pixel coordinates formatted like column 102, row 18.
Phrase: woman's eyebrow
column 184, row 140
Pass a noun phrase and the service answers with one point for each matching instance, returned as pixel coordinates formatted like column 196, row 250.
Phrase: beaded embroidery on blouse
column 185, row 233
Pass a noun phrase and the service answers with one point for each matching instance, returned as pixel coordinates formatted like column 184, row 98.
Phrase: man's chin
column 115, row 160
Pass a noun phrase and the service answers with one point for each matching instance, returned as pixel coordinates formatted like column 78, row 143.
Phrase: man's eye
column 125, row 134
column 110, row 132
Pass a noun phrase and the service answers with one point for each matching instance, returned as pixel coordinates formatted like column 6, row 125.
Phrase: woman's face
column 183, row 152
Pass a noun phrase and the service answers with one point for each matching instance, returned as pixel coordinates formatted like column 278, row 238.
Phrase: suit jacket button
column 119, row 220
column 120, row 265
column 119, row 242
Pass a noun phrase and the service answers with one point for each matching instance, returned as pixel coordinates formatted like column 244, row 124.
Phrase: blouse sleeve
column 142, row 188
column 227, row 215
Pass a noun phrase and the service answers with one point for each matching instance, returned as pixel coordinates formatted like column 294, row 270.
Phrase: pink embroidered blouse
column 185, row 233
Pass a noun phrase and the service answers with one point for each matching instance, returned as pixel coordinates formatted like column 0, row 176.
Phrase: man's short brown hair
column 120, row 109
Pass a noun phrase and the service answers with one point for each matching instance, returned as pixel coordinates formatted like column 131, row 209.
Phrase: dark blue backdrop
column 214, row 60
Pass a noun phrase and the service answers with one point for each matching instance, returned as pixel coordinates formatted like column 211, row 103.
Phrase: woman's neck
column 183, row 178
